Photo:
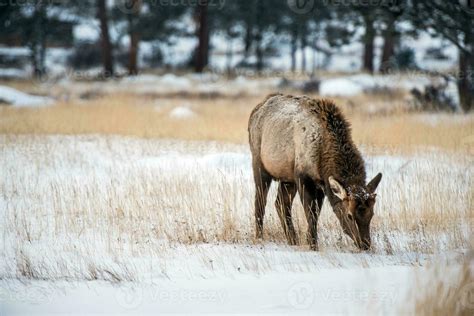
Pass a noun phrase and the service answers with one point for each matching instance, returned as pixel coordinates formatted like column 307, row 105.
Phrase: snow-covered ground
column 168, row 84
column 112, row 224
column 55, row 62
column 388, row 290
column 352, row 85
column 215, row 84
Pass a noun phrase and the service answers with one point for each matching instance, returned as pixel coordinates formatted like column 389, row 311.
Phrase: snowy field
column 156, row 226
column 95, row 221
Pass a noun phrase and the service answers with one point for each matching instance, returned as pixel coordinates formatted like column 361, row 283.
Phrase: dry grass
column 86, row 207
column 132, row 116
column 442, row 296
column 225, row 119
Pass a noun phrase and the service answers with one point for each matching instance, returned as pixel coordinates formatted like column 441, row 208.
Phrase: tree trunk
column 314, row 63
column 34, row 61
column 248, row 38
column 369, row 39
column 259, row 35
column 202, row 53
column 106, row 45
column 38, row 40
column 229, row 55
column 42, row 53
column 134, row 37
column 466, row 81
column 294, row 48
column 303, row 53
column 259, row 50
column 388, row 51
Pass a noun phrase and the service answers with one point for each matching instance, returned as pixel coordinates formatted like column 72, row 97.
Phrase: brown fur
column 342, row 158
column 306, row 146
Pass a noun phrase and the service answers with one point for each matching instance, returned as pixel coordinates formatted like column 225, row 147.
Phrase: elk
column 306, row 146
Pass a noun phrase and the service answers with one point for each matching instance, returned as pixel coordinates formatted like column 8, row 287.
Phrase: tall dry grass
column 225, row 119
column 87, row 207
column 445, row 294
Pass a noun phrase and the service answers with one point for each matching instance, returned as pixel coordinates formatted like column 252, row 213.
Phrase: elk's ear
column 337, row 188
column 372, row 186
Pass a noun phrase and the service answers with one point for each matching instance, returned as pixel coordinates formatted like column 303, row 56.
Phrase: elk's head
column 354, row 206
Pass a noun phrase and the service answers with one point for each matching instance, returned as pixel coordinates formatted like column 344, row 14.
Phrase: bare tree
column 37, row 42
column 202, row 32
column 133, row 15
column 369, row 42
column 107, row 55
column 392, row 11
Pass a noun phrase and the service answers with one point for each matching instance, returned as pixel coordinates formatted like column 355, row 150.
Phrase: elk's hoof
column 292, row 242
column 314, row 247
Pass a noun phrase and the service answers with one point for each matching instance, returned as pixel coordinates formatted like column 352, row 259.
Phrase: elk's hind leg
column 262, row 184
column 286, row 194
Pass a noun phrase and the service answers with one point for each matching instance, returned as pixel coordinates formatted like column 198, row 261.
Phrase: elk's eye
column 350, row 217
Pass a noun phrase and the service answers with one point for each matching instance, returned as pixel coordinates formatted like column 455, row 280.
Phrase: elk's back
column 282, row 137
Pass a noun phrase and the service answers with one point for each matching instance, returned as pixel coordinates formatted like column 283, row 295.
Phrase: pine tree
column 454, row 22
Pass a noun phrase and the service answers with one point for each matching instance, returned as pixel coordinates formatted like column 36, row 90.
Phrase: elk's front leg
column 309, row 198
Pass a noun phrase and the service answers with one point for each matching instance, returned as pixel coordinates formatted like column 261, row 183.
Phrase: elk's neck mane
column 340, row 157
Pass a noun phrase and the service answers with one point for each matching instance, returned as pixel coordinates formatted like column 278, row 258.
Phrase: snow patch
column 174, row 80
column 19, row 99
column 340, row 87
column 182, row 112
column 363, row 83
column 12, row 73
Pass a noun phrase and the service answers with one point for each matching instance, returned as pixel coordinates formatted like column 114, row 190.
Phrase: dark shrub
column 404, row 59
column 85, row 55
column 434, row 98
